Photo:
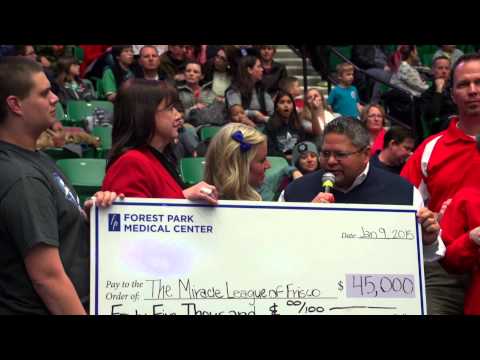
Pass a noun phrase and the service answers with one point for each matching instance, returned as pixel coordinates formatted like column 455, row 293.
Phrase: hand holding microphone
column 328, row 181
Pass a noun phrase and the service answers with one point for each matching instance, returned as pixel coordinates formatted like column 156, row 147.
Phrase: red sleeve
column 129, row 176
column 412, row 170
column 462, row 253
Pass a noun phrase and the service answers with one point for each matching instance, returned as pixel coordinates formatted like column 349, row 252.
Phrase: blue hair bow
column 238, row 137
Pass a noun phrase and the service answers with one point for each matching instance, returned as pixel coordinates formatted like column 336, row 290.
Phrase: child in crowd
column 291, row 85
column 284, row 129
column 237, row 115
column 69, row 84
column 343, row 99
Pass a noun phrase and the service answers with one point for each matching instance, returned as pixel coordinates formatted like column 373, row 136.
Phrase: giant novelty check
column 166, row 257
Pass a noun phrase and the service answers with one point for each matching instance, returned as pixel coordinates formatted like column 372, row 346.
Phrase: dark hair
column 63, row 67
column 352, row 128
column 117, row 50
column 276, row 121
column 243, row 81
column 118, row 72
column 134, row 113
column 194, row 62
column 441, row 57
column 285, row 83
column 397, row 134
column 16, row 79
column 463, row 58
column 405, row 51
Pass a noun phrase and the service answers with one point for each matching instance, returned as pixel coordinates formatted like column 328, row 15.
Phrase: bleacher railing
column 303, row 54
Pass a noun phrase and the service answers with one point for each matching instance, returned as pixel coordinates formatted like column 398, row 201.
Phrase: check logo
column 113, row 222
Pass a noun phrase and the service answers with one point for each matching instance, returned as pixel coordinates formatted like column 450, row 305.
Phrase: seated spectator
column 406, row 76
column 160, row 49
column 284, row 129
column 149, row 62
column 48, row 55
column 237, row 115
column 193, row 52
column 218, row 71
column 450, row 52
column 236, row 52
column 343, row 99
column 291, row 85
column 398, row 145
column 69, row 85
column 374, row 60
column 236, row 162
column 172, row 63
column 273, row 71
column 247, row 91
column 115, row 75
column 26, row 50
column 373, row 116
column 305, row 159
column 436, row 102
column 192, row 95
column 316, row 108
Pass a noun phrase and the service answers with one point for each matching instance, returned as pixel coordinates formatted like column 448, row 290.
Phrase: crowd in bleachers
column 176, row 120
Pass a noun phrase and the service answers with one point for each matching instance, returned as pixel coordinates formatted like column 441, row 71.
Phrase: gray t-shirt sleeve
column 29, row 214
column 269, row 104
column 233, row 98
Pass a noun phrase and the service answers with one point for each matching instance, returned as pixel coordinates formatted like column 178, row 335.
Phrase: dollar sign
column 273, row 309
column 340, row 285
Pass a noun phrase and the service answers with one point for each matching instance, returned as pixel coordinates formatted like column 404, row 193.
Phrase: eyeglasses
column 338, row 155
column 169, row 108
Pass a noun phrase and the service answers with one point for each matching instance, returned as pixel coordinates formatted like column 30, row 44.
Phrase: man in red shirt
column 439, row 167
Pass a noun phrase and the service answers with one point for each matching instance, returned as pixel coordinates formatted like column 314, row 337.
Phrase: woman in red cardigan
column 145, row 123
column 373, row 116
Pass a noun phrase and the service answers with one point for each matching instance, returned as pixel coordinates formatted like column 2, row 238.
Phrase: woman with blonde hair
column 236, row 162
column 316, row 108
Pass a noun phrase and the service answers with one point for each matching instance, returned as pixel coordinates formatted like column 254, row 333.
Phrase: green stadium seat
column 77, row 111
column 102, row 104
column 86, row 175
column 60, row 113
column 60, row 153
column 192, row 170
column 270, row 189
column 208, row 132
column 425, row 52
column 78, row 53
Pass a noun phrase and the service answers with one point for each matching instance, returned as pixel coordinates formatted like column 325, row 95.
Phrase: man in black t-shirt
column 44, row 247
column 398, row 145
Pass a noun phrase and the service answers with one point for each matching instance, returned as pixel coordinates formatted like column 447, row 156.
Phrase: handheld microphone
column 328, row 181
